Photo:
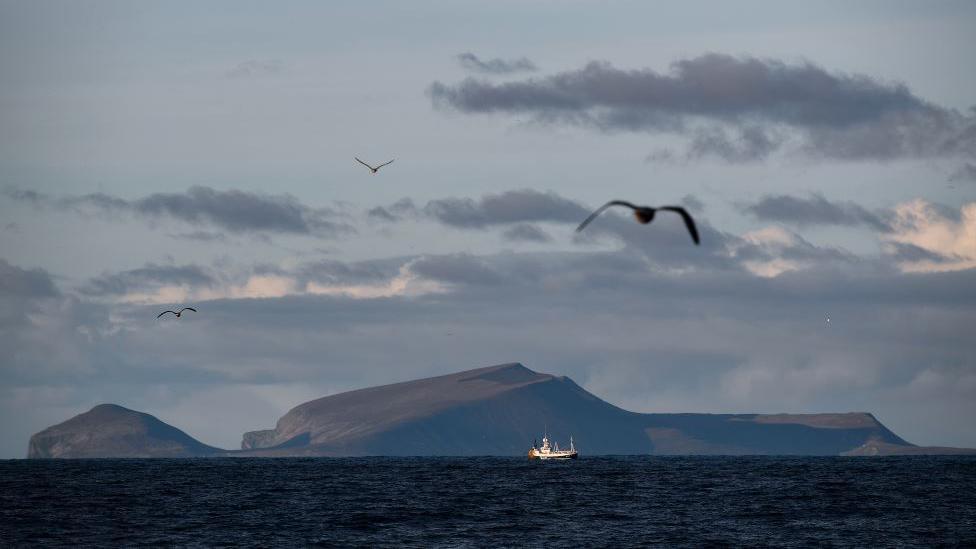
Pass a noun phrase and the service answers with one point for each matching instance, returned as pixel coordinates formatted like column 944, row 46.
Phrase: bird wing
column 188, row 309
column 600, row 211
column 689, row 222
column 164, row 312
column 363, row 163
column 381, row 165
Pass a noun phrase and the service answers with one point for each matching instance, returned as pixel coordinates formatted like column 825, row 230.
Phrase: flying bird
column 372, row 169
column 645, row 214
column 177, row 313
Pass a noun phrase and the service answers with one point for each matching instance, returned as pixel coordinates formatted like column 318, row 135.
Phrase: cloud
column 17, row 282
column 155, row 284
column 239, row 211
column 737, row 108
column 927, row 238
column 381, row 213
column 772, row 251
column 253, row 68
column 456, row 269
column 911, row 254
column 526, row 232
column 333, row 272
column 520, row 210
column 234, row 211
column 751, row 144
column 814, row 210
column 666, row 245
column 471, row 62
column 518, row 206
column 966, row 172
column 395, row 212
column 200, row 236
column 150, row 277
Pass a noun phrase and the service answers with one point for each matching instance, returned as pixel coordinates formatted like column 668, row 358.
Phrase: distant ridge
column 346, row 422
column 497, row 410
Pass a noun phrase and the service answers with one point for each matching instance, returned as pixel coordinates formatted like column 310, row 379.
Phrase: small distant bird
column 177, row 313
column 827, row 317
column 645, row 214
column 372, row 169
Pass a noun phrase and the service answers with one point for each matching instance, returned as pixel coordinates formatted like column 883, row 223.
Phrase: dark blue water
column 464, row 502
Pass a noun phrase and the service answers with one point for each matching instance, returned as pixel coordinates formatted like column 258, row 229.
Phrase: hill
column 498, row 410
column 109, row 430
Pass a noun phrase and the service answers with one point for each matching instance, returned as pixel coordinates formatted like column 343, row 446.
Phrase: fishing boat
column 547, row 451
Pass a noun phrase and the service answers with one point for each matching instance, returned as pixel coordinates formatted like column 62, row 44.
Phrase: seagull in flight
column 645, row 214
column 177, row 313
column 372, row 169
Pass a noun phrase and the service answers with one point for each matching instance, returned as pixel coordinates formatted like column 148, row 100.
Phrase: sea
column 490, row 502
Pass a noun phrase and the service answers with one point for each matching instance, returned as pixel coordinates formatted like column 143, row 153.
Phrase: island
column 493, row 411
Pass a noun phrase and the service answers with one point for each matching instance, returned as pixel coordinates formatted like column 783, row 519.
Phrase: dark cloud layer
column 471, row 62
column 519, row 210
column 736, row 108
column 526, row 232
column 200, row 236
column 147, row 277
column 464, row 269
column 814, row 210
column 398, row 210
column 751, row 143
column 517, row 206
column 232, row 210
column 381, row 213
column 903, row 251
column 17, row 282
column 333, row 272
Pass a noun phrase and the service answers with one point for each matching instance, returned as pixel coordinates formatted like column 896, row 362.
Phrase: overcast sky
column 170, row 154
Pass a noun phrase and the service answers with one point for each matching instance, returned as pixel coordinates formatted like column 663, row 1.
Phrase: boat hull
column 535, row 454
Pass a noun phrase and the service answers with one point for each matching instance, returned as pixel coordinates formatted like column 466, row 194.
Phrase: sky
column 155, row 155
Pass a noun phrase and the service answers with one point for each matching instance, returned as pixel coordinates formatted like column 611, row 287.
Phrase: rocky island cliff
column 108, row 430
column 496, row 410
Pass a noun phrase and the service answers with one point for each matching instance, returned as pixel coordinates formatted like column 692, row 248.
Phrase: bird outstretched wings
column 600, row 211
column 371, row 168
column 689, row 222
column 177, row 313
column 645, row 214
